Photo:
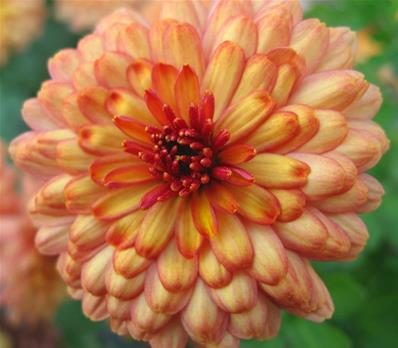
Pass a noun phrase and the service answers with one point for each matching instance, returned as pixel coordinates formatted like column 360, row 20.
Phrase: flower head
column 199, row 161
column 21, row 21
column 25, row 273
column 84, row 14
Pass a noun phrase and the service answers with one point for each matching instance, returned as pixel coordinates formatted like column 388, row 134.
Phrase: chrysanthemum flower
column 84, row 14
column 20, row 22
column 198, row 162
column 30, row 288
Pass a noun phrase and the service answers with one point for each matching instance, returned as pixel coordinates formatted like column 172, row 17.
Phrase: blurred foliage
column 365, row 292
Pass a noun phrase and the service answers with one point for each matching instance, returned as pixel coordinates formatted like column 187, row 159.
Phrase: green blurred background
column 365, row 292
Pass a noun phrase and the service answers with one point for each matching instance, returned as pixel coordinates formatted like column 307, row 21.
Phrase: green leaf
column 347, row 293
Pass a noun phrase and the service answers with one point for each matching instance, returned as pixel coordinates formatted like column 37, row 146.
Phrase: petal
column 277, row 171
column 259, row 74
column 163, row 81
column 238, row 296
column 127, row 176
column 327, row 176
column 330, row 90
column 134, row 41
column 236, row 154
column 240, row 119
column 274, row 29
column 93, row 272
column 157, row 228
column 118, row 310
column 35, row 116
column 128, row 263
column 256, row 204
column 270, row 260
column 87, row 233
column 232, row 245
column 100, row 140
column 221, row 198
column 340, row 53
column 275, row 131
column 291, row 202
column 223, row 74
column 366, row 107
column 122, row 232
column 119, row 203
column 176, row 272
column 91, row 102
column 375, row 193
column 172, row 335
column 63, row 64
column 202, row 319
column 139, row 75
column 211, row 271
column 145, row 318
column 71, row 157
column 347, row 201
column 94, row 307
column 308, row 126
column 310, row 40
column 84, row 76
column 51, row 240
column 159, row 298
column 240, row 30
column 183, row 47
column 81, row 193
column 203, row 215
column 72, row 114
column 111, row 68
column 351, row 172
column 332, row 131
column 187, row 91
column 188, row 237
column 133, row 128
column 90, row 47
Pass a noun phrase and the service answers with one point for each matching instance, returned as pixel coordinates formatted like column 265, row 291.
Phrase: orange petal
column 188, row 237
column 123, row 102
column 211, row 270
column 375, row 193
column 259, row 74
column 119, row 203
column 238, row 296
column 366, row 107
column 71, row 113
column 202, row 319
column 277, row 130
column 274, row 29
column 187, row 91
column 122, row 232
column 270, row 260
column 87, row 233
column 71, row 157
column 232, row 245
column 101, row 167
column 155, row 106
column 91, row 102
column 292, row 203
column 111, row 68
column 347, row 201
column 173, row 335
column 100, row 140
column 62, row 65
column 157, row 228
column 128, row 263
column 277, row 171
column 35, row 117
column 91, row 47
column 84, row 76
column 93, row 272
column 203, row 215
column 119, row 310
column 332, row 131
column 94, row 307
column 127, row 176
column 310, row 39
column 81, row 193
column 163, row 81
column 133, row 40
column 240, row 119
column 236, row 154
column 221, row 198
column 183, row 47
column 327, row 176
column 176, row 272
column 139, row 75
column 159, row 298
column 351, row 172
column 51, row 240
column 334, row 90
column 308, row 124
column 133, row 128
column 240, row 30
column 223, row 74
column 256, row 204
